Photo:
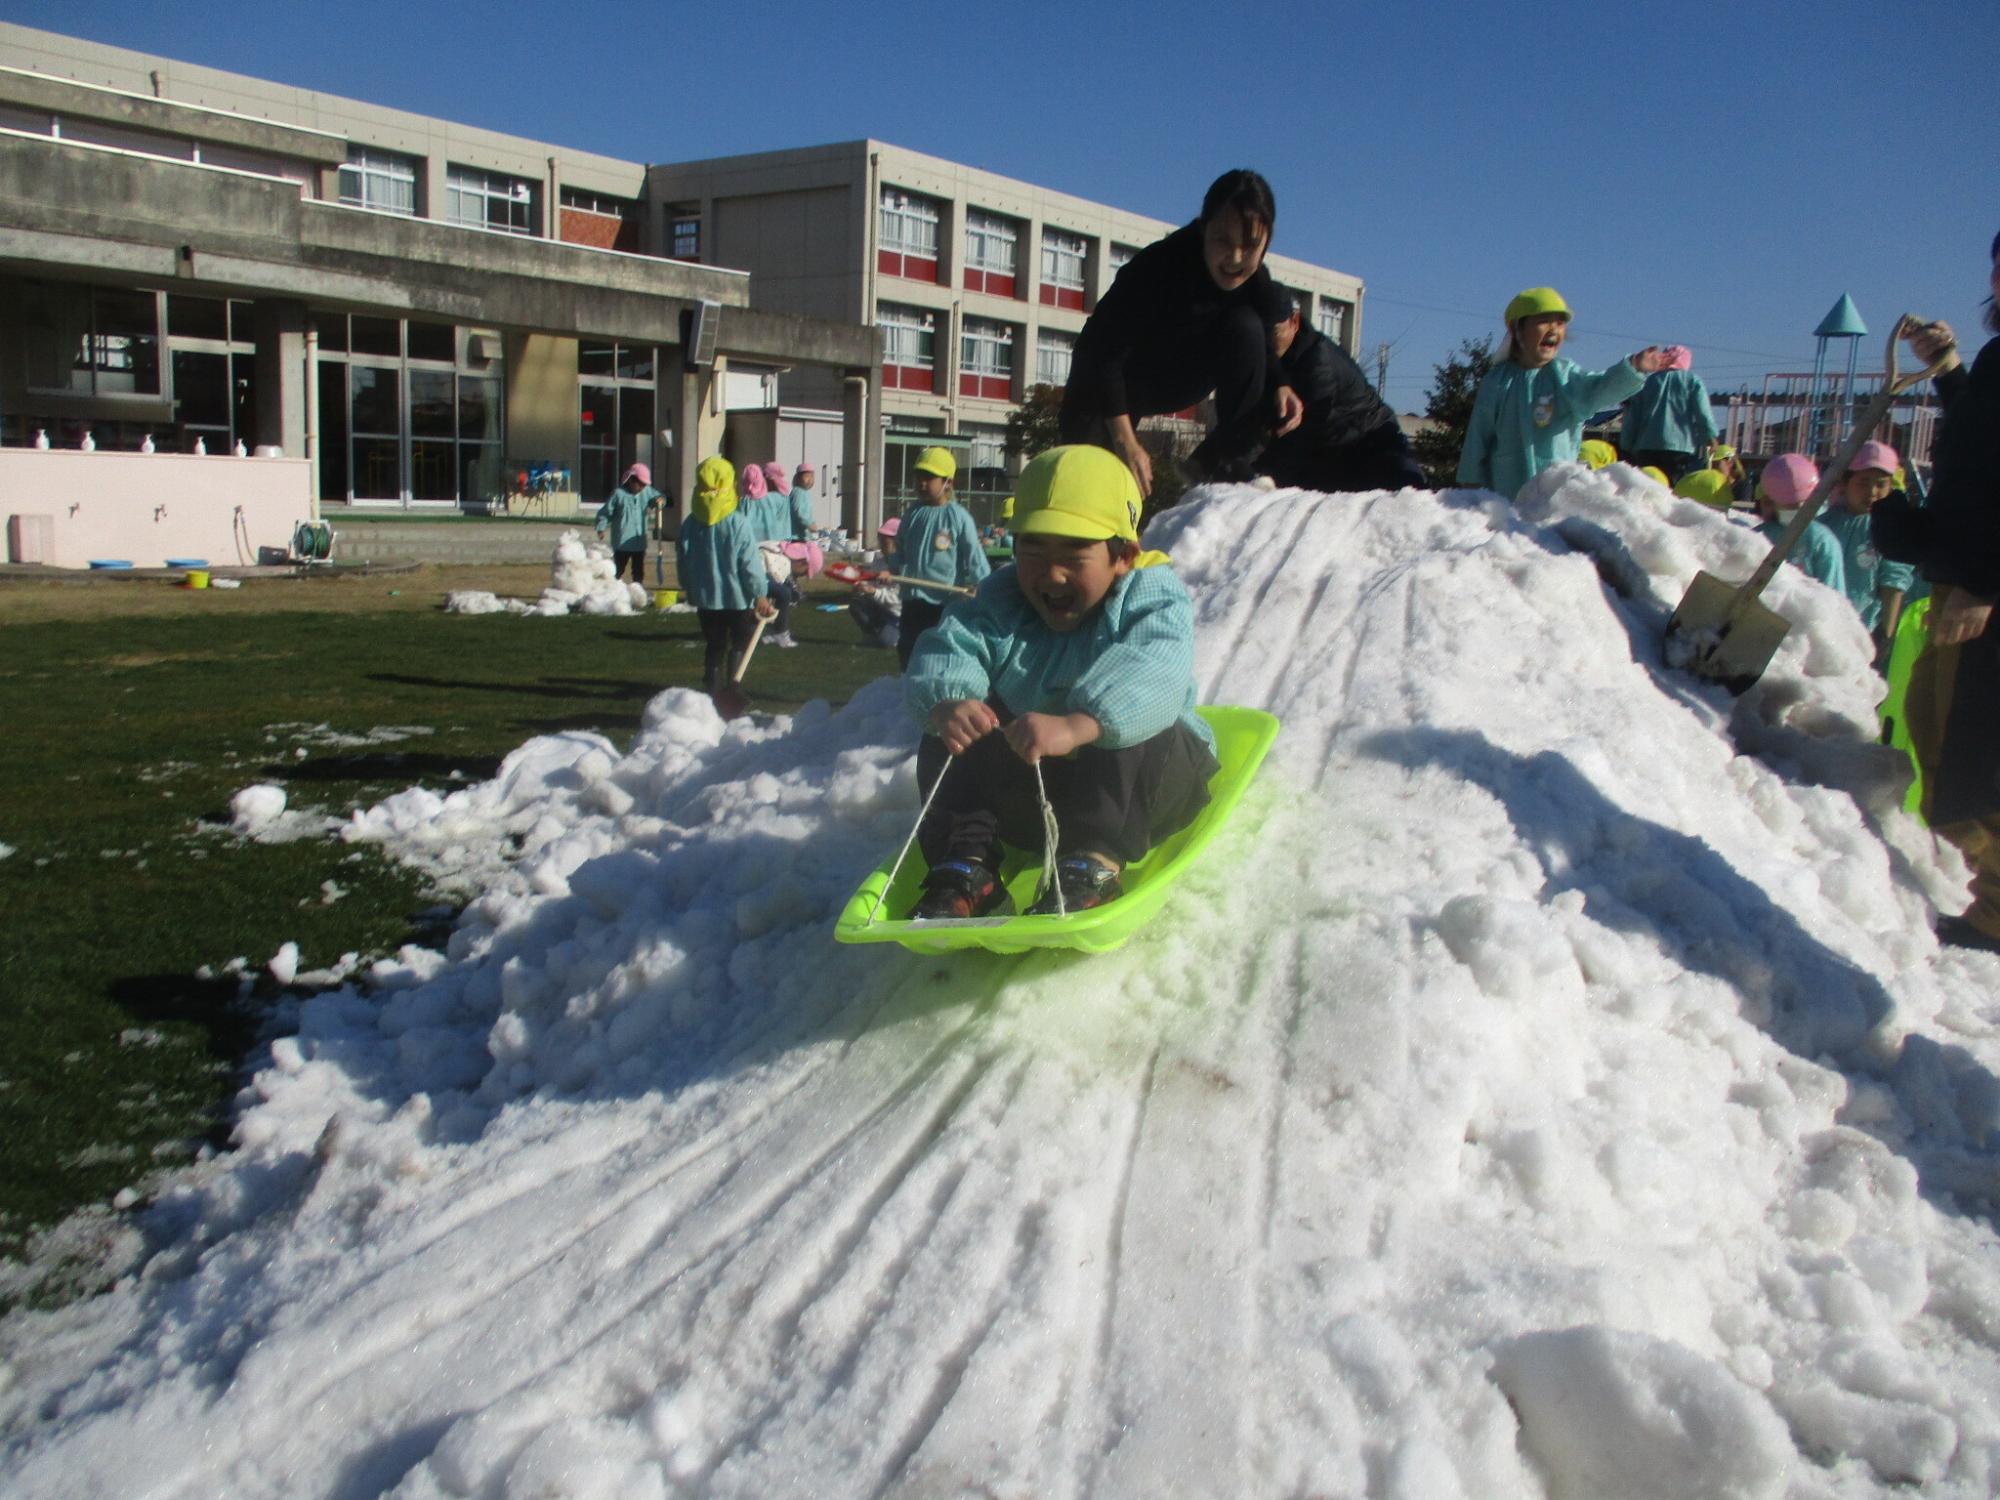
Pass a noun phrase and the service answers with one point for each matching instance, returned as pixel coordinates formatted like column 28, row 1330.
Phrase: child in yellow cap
column 939, row 542
column 1077, row 657
column 1532, row 405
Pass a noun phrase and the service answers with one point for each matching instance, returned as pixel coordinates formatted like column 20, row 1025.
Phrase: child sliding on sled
column 1076, row 661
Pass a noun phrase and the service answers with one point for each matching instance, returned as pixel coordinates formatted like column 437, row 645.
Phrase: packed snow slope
column 1546, row 1086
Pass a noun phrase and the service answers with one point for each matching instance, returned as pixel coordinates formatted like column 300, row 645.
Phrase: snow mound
column 1546, row 1085
column 583, row 580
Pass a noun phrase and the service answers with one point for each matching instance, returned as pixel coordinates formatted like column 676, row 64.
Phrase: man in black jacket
column 1953, row 703
column 1349, row 439
column 1188, row 315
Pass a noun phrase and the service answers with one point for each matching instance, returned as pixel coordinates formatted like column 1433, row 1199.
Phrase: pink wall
column 148, row 507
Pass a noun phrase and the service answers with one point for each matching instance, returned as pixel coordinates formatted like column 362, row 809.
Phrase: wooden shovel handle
column 750, row 650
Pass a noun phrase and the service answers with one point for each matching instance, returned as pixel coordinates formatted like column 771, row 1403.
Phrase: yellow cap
column 937, row 461
column 1596, row 452
column 1078, row 491
column 1709, row 486
column 1535, row 301
column 1007, row 509
column 1658, row 476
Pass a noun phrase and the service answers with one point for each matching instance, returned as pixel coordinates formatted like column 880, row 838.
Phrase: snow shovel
column 730, row 701
column 1721, row 630
column 848, row 573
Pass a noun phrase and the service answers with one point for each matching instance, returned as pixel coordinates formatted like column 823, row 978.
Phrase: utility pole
column 1381, row 368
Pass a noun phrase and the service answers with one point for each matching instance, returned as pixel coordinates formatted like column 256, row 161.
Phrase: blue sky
column 1709, row 174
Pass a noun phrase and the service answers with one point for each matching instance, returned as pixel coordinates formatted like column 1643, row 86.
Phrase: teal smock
column 769, row 515
column 719, row 566
column 1671, row 414
column 1524, row 420
column 1867, row 570
column 1817, row 553
column 940, row 543
column 624, row 517
column 1129, row 664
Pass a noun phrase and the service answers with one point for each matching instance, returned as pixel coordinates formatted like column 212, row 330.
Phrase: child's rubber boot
column 958, row 889
column 1083, row 881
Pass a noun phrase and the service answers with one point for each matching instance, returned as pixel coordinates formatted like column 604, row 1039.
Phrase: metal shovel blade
column 1719, row 633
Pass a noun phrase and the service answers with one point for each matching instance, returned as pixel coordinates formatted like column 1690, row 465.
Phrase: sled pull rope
column 1050, row 833
column 904, row 853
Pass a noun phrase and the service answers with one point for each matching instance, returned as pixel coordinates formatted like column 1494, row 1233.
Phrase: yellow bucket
column 197, row 578
column 662, row 598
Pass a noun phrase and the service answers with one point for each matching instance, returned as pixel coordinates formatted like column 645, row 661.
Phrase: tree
column 1454, row 387
column 1037, row 425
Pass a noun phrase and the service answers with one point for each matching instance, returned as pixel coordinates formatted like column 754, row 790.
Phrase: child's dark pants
column 629, row 563
column 1115, row 802
column 723, row 632
column 917, row 618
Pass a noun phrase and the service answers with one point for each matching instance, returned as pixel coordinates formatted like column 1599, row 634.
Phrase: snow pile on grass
column 583, row 580
column 1546, row 1085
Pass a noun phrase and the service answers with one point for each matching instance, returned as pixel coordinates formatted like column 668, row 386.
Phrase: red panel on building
column 908, row 378
column 909, row 267
column 987, row 387
column 990, row 282
column 579, row 226
column 1062, row 296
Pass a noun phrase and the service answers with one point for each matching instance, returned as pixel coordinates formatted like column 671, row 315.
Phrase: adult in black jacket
column 1349, row 438
column 1188, row 315
column 1953, row 705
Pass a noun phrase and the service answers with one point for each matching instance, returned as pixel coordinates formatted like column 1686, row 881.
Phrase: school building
column 384, row 310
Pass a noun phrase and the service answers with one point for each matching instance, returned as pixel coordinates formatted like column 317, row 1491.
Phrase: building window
column 909, row 347
column 990, row 254
column 684, row 233
column 1063, row 258
column 1120, row 255
column 379, row 180
column 616, row 404
column 909, row 237
column 487, row 200
column 986, row 360
column 402, row 416
column 1330, row 318
column 1053, row 352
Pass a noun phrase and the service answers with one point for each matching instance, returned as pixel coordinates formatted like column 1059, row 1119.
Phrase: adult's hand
column 1291, row 411
column 1036, row 735
column 963, row 722
column 1125, row 439
column 1929, row 340
column 1962, row 617
column 1650, row 360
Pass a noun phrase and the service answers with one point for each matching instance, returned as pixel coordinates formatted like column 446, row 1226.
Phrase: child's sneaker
column 957, row 889
column 782, row 640
column 1083, row 881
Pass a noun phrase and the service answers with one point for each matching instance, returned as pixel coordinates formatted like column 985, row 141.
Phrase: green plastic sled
column 1913, row 632
column 1243, row 736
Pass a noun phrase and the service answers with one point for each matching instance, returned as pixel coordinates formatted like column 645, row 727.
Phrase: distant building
column 425, row 311
column 979, row 283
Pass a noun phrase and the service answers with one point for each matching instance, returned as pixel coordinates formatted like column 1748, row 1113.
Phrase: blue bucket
column 187, row 562
column 102, row 563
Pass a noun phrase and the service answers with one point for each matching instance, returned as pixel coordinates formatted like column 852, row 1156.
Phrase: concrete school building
column 979, row 283
column 420, row 313
column 410, row 313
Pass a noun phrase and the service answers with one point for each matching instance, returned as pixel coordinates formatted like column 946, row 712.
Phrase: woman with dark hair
column 1188, row 315
column 1953, row 704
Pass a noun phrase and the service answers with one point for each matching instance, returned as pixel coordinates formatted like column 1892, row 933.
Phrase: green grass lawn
column 128, row 729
